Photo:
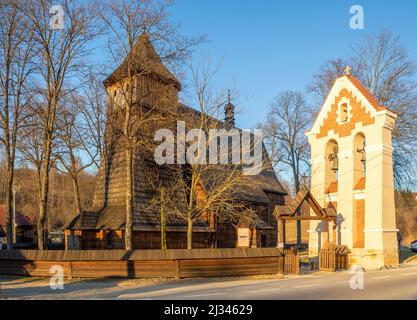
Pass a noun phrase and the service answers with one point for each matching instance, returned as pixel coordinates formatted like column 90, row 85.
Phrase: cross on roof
column 347, row 70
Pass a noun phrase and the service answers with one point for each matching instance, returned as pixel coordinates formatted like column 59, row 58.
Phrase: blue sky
column 268, row 46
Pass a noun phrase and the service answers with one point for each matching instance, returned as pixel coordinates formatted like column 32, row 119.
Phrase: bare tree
column 132, row 110
column 288, row 118
column 383, row 66
column 93, row 114
column 16, row 42
column 59, row 56
column 209, row 190
column 406, row 214
column 74, row 143
column 164, row 201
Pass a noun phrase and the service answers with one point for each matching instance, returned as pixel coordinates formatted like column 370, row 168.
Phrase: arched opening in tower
column 359, row 182
column 332, row 167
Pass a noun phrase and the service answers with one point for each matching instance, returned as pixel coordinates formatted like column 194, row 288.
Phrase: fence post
column 297, row 262
column 282, row 263
column 70, row 270
column 177, row 265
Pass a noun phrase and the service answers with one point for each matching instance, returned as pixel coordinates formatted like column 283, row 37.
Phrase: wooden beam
column 281, row 234
column 322, row 218
column 314, row 205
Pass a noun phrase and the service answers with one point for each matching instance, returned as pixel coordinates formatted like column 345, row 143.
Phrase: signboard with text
column 243, row 237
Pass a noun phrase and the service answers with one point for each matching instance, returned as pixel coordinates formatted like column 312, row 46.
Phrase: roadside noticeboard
column 243, row 237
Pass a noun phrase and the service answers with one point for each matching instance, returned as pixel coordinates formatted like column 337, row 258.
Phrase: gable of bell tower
column 356, row 113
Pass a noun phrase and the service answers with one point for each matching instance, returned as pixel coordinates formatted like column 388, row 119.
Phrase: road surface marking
column 381, row 277
column 307, row 286
column 204, row 295
column 264, row 290
column 408, row 274
column 344, row 281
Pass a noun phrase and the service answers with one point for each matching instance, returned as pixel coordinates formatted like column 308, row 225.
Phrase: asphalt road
column 388, row 284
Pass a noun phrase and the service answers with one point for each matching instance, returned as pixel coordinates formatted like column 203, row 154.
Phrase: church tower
column 151, row 88
column 352, row 170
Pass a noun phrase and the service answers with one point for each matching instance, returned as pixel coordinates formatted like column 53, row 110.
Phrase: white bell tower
column 352, row 170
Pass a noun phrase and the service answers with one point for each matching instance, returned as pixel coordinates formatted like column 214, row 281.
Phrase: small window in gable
column 344, row 113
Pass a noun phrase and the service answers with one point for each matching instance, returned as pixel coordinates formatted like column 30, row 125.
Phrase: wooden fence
column 333, row 258
column 291, row 261
column 144, row 263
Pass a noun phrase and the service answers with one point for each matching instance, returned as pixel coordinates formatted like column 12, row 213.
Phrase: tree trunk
column 129, row 210
column 5, row 123
column 77, row 198
column 189, row 232
column 163, row 221
column 43, row 205
column 191, row 204
column 297, row 189
column 9, row 209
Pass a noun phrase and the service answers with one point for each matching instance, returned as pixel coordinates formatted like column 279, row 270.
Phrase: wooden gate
column 333, row 258
column 291, row 261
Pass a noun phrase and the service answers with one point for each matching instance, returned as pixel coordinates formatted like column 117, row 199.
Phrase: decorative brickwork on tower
column 357, row 114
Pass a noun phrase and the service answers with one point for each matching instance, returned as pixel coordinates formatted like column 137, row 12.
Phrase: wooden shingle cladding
column 108, row 210
column 143, row 59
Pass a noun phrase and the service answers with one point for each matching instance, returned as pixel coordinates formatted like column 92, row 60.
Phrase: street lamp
column 16, row 188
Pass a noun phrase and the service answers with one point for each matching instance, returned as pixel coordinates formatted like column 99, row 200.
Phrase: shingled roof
column 21, row 219
column 114, row 218
column 365, row 92
column 253, row 188
column 304, row 195
column 143, row 59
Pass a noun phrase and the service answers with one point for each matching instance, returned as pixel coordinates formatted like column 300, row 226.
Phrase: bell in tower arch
column 334, row 160
column 363, row 153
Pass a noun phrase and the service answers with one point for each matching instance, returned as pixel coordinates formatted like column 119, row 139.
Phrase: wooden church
column 103, row 225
